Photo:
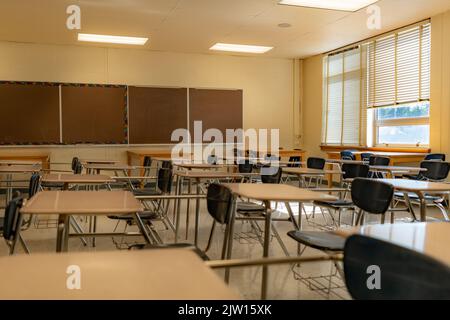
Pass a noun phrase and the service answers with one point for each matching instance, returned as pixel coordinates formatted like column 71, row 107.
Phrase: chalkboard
column 94, row 114
column 220, row 109
column 154, row 113
column 29, row 113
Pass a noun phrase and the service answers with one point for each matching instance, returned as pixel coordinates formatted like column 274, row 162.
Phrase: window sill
column 330, row 148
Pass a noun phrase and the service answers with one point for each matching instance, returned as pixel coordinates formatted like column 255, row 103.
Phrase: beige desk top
column 77, row 178
column 414, row 185
column 108, row 167
column 20, row 169
column 20, row 162
column 429, row 238
column 99, row 161
column 276, row 192
column 386, row 154
column 340, row 161
column 307, row 171
column 398, row 169
column 199, row 166
column 211, row 174
column 82, row 203
column 131, row 275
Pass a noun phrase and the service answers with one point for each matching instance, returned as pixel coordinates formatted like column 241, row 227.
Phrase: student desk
column 85, row 203
column 197, row 177
column 267, row 193
column 16, row 169
column 67, row 179
column 420, row 188
column 302, row 172
column 397, row 170
column 431, row 238
column 42, row 159
column 396, row 158
column 98, row 161
column 172, row 274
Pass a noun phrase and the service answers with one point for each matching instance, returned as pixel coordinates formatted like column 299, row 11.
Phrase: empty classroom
column 231, row 150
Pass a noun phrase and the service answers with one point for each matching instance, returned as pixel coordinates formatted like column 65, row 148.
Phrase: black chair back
column 353, row 170
column 165, row 179
column 403, row 274
column 78, row 168
column 167, row 165
column 271, row 174
column 379, row 161
column 436, row 170
column 366, row 156
column 35, row 183
column 315, row 163
column 347, row 155
column 435, row 157
column 13, row 218
column 219, row 200
column 372, row 196
column 245, row 167
column 147, row 161
column 75, row 161
column 294, row 159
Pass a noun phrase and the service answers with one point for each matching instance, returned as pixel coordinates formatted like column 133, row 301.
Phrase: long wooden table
column 431, row 238
column 278, row 193
column 171, row 274
column 69, row 203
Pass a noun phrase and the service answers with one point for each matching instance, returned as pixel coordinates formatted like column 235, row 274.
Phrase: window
column 403, row 125
column 378, row 92
column 398, row 77
column 342, row 95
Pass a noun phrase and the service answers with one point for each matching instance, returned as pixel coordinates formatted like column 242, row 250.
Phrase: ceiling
column 195, row 25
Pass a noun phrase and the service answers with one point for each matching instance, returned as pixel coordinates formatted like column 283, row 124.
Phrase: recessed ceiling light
column 240, row 48
column 284, row 25
column 111, row 39
column 343, row 5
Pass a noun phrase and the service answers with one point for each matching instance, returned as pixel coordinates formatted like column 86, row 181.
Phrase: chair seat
column 325, row 241
column 249, row 207
column 144, row 216
column 189, row 246
column 414, row 196
column 146, row 192
column 339, row 204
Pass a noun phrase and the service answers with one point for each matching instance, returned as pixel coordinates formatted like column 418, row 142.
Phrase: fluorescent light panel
column 111, row 39
column 240, row 48
column 343, row 5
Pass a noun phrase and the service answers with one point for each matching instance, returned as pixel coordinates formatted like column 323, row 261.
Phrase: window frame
column 412, row 121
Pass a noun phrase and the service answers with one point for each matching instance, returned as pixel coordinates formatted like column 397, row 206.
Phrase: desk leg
column 228, row 239
column 291, row 215
column 197, row 213
column 9, row 191
column 423, row 207
column 267, row 233
column 62, row 235
column 179, row 189
column 142, row 228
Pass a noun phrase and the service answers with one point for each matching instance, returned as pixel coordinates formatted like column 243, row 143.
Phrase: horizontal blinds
column 342, row 100
column 399, row 67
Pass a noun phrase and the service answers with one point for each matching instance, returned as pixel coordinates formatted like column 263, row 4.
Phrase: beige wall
column 268, row 84
column 440, row 92
column 440, row 83
column 312, row 106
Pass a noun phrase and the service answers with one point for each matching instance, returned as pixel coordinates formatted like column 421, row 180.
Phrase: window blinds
column 343, row 84
column 399, row 67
